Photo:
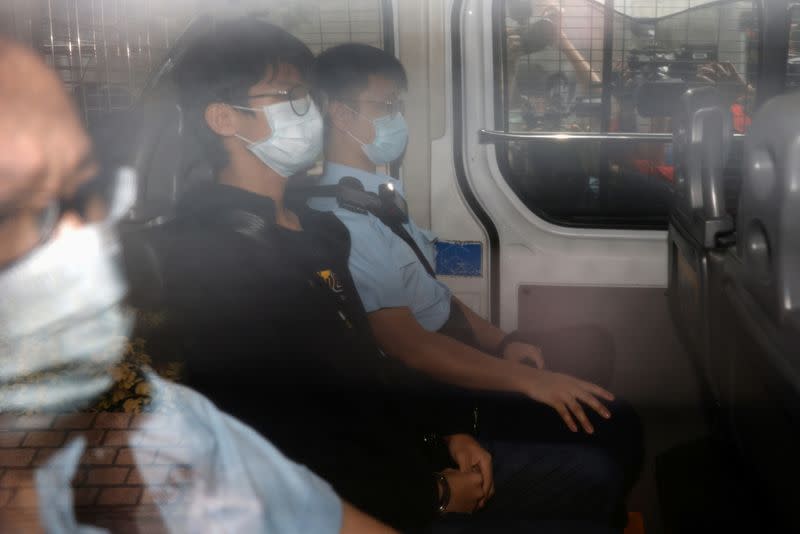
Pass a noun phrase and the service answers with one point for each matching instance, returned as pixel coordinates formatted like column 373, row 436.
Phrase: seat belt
column 397, row 227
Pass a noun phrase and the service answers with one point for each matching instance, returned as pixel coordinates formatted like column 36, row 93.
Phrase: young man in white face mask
column 62, row 326
column 414, row 316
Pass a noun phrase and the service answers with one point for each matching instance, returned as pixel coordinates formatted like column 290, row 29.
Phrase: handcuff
column 444, row 498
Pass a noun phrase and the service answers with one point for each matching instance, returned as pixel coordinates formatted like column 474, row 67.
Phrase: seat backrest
column 759, row 341
column 168, row 159
column 702, row 133
column 769, row 211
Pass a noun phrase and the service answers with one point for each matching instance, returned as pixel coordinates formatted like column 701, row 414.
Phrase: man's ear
column 221, row 118
column 339, row 115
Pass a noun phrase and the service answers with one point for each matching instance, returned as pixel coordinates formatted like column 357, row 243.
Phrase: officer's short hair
column 342, row 72
column 224, row 63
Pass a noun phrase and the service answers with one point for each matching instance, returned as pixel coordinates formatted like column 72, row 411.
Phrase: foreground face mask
column 61, row 323
column 295, row 142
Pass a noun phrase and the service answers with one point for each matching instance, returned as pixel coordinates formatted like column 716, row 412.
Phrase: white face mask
column 391, row 137
column 295, row 142
column 61, row 324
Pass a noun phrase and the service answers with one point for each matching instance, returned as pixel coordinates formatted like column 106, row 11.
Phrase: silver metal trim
column 493, row 136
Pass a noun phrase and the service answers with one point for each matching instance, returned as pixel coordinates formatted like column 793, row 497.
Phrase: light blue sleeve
column 378, row 262
column 245, row 484
column 294, row 500
column 388, row 273
column 237, row 481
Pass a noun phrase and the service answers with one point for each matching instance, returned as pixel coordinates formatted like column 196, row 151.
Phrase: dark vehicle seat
column 150, row 137
column 760, row 314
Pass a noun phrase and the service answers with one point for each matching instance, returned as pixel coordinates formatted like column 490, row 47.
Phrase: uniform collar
column 334, row 172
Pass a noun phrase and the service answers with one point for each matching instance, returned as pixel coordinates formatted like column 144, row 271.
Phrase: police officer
column 414, row 316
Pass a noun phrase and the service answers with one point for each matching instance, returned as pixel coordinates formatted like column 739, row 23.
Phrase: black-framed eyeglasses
column 392, row 106
column 297, row 95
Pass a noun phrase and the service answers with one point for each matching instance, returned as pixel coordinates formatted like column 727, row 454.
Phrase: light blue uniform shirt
column 237, row 481
column 386, row 271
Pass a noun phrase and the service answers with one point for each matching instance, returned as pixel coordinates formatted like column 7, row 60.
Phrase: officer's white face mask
column 295, row 142
column 61, row 323
column 391, row 137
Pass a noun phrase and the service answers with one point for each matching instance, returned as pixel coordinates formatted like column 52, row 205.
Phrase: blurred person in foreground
column 62, row 327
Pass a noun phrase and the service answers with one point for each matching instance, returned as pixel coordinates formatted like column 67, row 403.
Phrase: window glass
column 104, row 50
column 554, row 82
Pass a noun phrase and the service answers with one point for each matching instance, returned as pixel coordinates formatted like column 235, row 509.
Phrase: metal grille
column 104, row 50
column 685, row 33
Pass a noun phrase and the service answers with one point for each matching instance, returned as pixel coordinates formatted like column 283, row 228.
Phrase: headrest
column 769, row 209
column 150, row 137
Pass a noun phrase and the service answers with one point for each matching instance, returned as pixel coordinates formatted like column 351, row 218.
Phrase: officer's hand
column 470, row 456
column 524, row 353
column 566, row 395
column 466, row 490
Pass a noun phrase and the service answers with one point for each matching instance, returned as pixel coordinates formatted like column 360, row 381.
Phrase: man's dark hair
column 343, row 71
column 224, row 63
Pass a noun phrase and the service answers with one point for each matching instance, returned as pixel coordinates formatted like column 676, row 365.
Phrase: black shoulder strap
column 393, row 223
column 398, row 228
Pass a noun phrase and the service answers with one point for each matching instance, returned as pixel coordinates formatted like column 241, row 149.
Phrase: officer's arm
column 400, row 335
column 488, row 335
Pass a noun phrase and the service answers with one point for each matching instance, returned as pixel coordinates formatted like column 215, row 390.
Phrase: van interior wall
column 414, row 46
column 651, row 368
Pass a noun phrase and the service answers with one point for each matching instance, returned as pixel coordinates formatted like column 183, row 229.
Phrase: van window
column 563, row 70
column 104, row 50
